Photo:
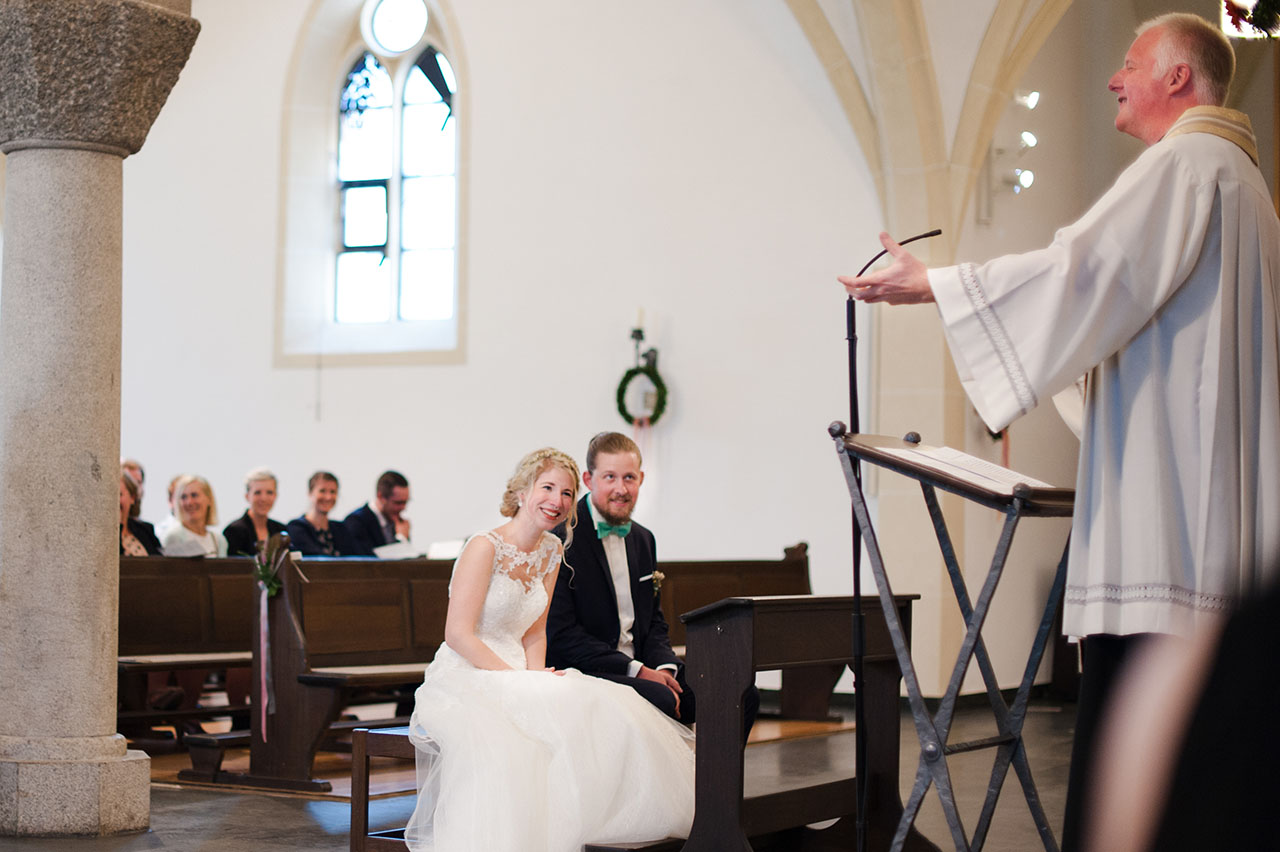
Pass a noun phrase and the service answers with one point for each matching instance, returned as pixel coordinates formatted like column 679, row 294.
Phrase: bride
column 513, row 755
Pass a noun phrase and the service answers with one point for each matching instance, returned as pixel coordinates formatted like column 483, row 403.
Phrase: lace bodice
column 517, row 595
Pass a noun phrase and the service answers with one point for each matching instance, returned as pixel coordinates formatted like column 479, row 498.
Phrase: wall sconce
column 996, row 176
column 1019, row 179
column 1027, row 99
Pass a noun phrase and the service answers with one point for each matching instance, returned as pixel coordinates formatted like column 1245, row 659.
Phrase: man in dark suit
column 605, row 617
column 384, row 522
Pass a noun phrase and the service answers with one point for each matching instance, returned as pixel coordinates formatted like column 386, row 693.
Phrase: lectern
column 1016, row 497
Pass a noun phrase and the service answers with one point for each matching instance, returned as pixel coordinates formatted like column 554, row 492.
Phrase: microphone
column 934, row 233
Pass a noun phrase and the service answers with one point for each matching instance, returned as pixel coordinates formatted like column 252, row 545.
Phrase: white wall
column 689, row 159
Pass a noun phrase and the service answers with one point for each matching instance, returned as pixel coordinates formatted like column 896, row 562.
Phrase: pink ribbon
column 266, row 697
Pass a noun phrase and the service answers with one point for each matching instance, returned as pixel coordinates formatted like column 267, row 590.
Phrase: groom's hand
column 665, row 678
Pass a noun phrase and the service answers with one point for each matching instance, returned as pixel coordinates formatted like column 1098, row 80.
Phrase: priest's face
column 1143, row 94
column 615, row 485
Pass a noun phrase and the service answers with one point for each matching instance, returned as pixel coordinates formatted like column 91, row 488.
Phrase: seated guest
column 169, row 521
column 137, row 538
column 245, row 532
column 195, row 510
column 314, row 534
column 384, row 522
column 133, row 467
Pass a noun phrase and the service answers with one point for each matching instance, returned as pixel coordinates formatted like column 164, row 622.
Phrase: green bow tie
column 621, row 530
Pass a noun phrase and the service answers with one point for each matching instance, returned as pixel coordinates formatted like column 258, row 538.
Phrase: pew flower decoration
column 1263, row 17
column 267, row 561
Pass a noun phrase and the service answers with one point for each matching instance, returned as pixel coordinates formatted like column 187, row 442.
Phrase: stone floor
column 203, row 821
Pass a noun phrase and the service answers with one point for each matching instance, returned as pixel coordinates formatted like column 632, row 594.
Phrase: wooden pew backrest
column 176, row 606
column 691, row 584
column 388, row 612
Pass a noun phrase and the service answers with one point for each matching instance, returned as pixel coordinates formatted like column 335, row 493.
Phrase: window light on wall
column 397, row 176
column 372, row 264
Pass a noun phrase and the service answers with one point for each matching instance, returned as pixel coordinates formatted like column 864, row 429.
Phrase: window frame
column 307, row 333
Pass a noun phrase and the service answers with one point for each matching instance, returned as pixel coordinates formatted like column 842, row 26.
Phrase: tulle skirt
column 538, row 762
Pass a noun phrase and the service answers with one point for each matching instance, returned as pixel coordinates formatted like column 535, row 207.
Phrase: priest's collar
column 1228, row 124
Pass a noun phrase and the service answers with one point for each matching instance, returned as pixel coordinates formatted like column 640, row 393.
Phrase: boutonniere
column 657, row 577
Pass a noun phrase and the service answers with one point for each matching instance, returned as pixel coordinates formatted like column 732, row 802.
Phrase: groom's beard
column 613, row 517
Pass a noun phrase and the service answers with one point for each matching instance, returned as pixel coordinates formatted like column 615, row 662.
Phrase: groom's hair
column 611, row 442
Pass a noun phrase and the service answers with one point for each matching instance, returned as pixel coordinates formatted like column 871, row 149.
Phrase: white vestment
column 1165, row 294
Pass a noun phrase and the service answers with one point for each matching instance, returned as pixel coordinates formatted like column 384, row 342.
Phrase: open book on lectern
column 950, row 465
column 976, row 471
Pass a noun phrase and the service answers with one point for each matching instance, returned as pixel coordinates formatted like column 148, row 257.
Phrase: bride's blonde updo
column 527, row 472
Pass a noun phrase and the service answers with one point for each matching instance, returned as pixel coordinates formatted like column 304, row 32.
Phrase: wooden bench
column 691, row 585
column 179, row 614
column 729, row 641
column 338, row 627
column 767, row 792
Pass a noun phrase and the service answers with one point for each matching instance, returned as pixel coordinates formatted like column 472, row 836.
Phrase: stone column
column 83, row 80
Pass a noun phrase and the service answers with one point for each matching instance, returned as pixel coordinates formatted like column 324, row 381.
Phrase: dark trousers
column 662, row 698
column 1102, row 657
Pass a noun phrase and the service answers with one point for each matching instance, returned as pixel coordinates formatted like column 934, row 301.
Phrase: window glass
column 366, row 123
column 428, row 212
column 429, row 142
column 426, row 285
column 398, row 25
column 363, row 288
column 364, row 216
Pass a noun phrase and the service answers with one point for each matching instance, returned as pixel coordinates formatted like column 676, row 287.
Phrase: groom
column 605, row 619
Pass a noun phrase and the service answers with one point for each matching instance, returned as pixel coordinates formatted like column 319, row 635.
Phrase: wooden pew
column 179, row 614
column 691, row 585
column 337, row 627
column 766, row 793
column 804, row 782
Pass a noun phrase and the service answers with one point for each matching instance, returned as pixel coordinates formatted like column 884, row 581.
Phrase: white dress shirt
column 615, row 553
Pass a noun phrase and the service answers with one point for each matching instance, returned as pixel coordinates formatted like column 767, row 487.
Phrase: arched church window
column 389, row 284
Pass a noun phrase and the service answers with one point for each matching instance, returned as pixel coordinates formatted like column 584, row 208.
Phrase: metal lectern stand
column 910, row 458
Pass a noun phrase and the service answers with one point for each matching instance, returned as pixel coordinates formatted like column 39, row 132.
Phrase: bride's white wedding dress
column 534, row 761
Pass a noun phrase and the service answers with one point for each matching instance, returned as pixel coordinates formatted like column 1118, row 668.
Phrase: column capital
column 89, row 74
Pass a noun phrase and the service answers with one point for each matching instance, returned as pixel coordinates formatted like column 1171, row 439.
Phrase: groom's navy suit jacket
column 582, row 626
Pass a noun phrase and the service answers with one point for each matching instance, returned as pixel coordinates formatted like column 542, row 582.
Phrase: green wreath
column 659, row 405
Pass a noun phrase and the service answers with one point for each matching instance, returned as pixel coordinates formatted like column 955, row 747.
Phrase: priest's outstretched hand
column 903, row 282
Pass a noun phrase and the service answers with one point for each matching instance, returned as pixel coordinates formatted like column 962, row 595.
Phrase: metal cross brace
column 933, row 730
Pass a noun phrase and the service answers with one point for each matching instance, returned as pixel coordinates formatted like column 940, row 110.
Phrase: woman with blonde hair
column 513, row 755
column 247, row 531
column 195, row 510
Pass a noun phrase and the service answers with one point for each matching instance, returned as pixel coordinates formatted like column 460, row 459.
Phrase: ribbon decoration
column 268, row 559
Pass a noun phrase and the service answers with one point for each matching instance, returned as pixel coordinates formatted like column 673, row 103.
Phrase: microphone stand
column 859, row 628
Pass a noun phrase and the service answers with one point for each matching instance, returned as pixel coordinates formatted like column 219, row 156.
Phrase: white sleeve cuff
column 670, row 667
column 634, row 667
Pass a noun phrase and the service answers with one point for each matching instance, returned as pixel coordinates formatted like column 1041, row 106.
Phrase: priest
column 1164, row 297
